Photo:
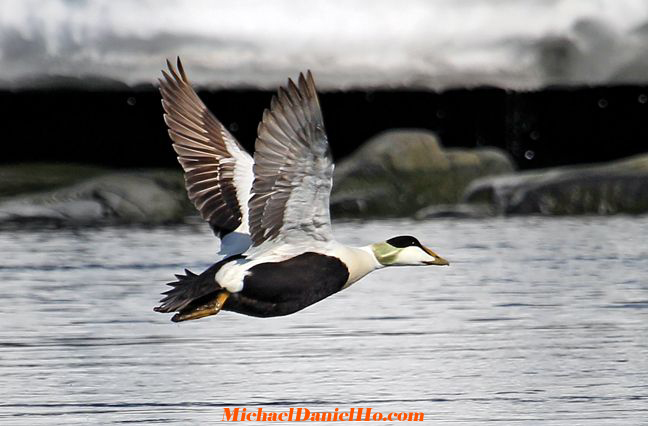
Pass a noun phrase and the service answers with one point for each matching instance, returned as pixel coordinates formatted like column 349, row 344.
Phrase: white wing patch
column 293, row 170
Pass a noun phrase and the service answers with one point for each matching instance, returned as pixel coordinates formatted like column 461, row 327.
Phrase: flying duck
column 271, row 211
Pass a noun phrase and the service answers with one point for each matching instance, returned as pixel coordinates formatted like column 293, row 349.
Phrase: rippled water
column 536, row 319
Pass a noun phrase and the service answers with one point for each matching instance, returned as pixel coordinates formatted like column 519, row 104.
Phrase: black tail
column 191, row 287
column 188, row 288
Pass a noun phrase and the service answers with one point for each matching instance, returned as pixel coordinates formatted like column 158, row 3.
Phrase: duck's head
column 405, row 250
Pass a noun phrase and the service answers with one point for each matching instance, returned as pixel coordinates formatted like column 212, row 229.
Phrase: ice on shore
column 361, row 43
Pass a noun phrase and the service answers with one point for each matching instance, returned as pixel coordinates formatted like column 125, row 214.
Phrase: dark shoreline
column 123, row 128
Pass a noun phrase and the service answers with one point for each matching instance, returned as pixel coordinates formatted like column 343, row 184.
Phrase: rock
column 146, row 197
column 459, row 211
column 24, row 178
column 398, row 172
column 616, row 187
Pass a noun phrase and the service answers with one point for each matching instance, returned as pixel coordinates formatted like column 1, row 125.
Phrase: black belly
column 281, row 288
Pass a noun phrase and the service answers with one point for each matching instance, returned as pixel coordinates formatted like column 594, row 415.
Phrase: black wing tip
column 291, row 95
column 170, row 64
column 181, row 70
column 304, row 90
column 283, row 97
column 310, row 80
column 292, row 87
column 302, row 81
column 168, row 80
column 177, row 71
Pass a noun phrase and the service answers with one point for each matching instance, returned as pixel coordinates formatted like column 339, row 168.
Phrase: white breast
column 359, row 261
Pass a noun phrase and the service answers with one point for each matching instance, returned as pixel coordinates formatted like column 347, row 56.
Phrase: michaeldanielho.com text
column 305, row 415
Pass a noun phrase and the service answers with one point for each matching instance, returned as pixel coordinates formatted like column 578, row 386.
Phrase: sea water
column 535, row 321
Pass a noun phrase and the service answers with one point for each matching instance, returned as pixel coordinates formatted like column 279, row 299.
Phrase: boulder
column 18, row 179
column 398, row 172
column 145, row 197
column 617, row 187
column 455, row 211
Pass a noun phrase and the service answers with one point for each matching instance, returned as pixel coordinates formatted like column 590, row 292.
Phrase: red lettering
column 301, row 414
column 359, row 416
column 227, row 415
column 306, row 412
column 367, row 418
column 417, row 417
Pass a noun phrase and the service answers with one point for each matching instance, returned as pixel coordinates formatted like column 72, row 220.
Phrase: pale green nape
column 385, row 253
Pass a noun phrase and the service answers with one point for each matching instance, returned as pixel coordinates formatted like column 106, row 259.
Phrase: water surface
column 537, row 321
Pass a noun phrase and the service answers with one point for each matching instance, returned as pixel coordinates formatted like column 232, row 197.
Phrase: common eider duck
column 271, row 211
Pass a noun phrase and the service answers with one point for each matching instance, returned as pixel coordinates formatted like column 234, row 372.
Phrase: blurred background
column 544, row 83
column 509, row 135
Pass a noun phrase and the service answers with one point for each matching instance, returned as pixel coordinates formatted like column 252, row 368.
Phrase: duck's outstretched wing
column 218, row 170
column 293, row 169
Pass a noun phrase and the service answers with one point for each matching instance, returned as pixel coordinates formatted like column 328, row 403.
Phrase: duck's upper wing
column 218, row 170
column 293, row 170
